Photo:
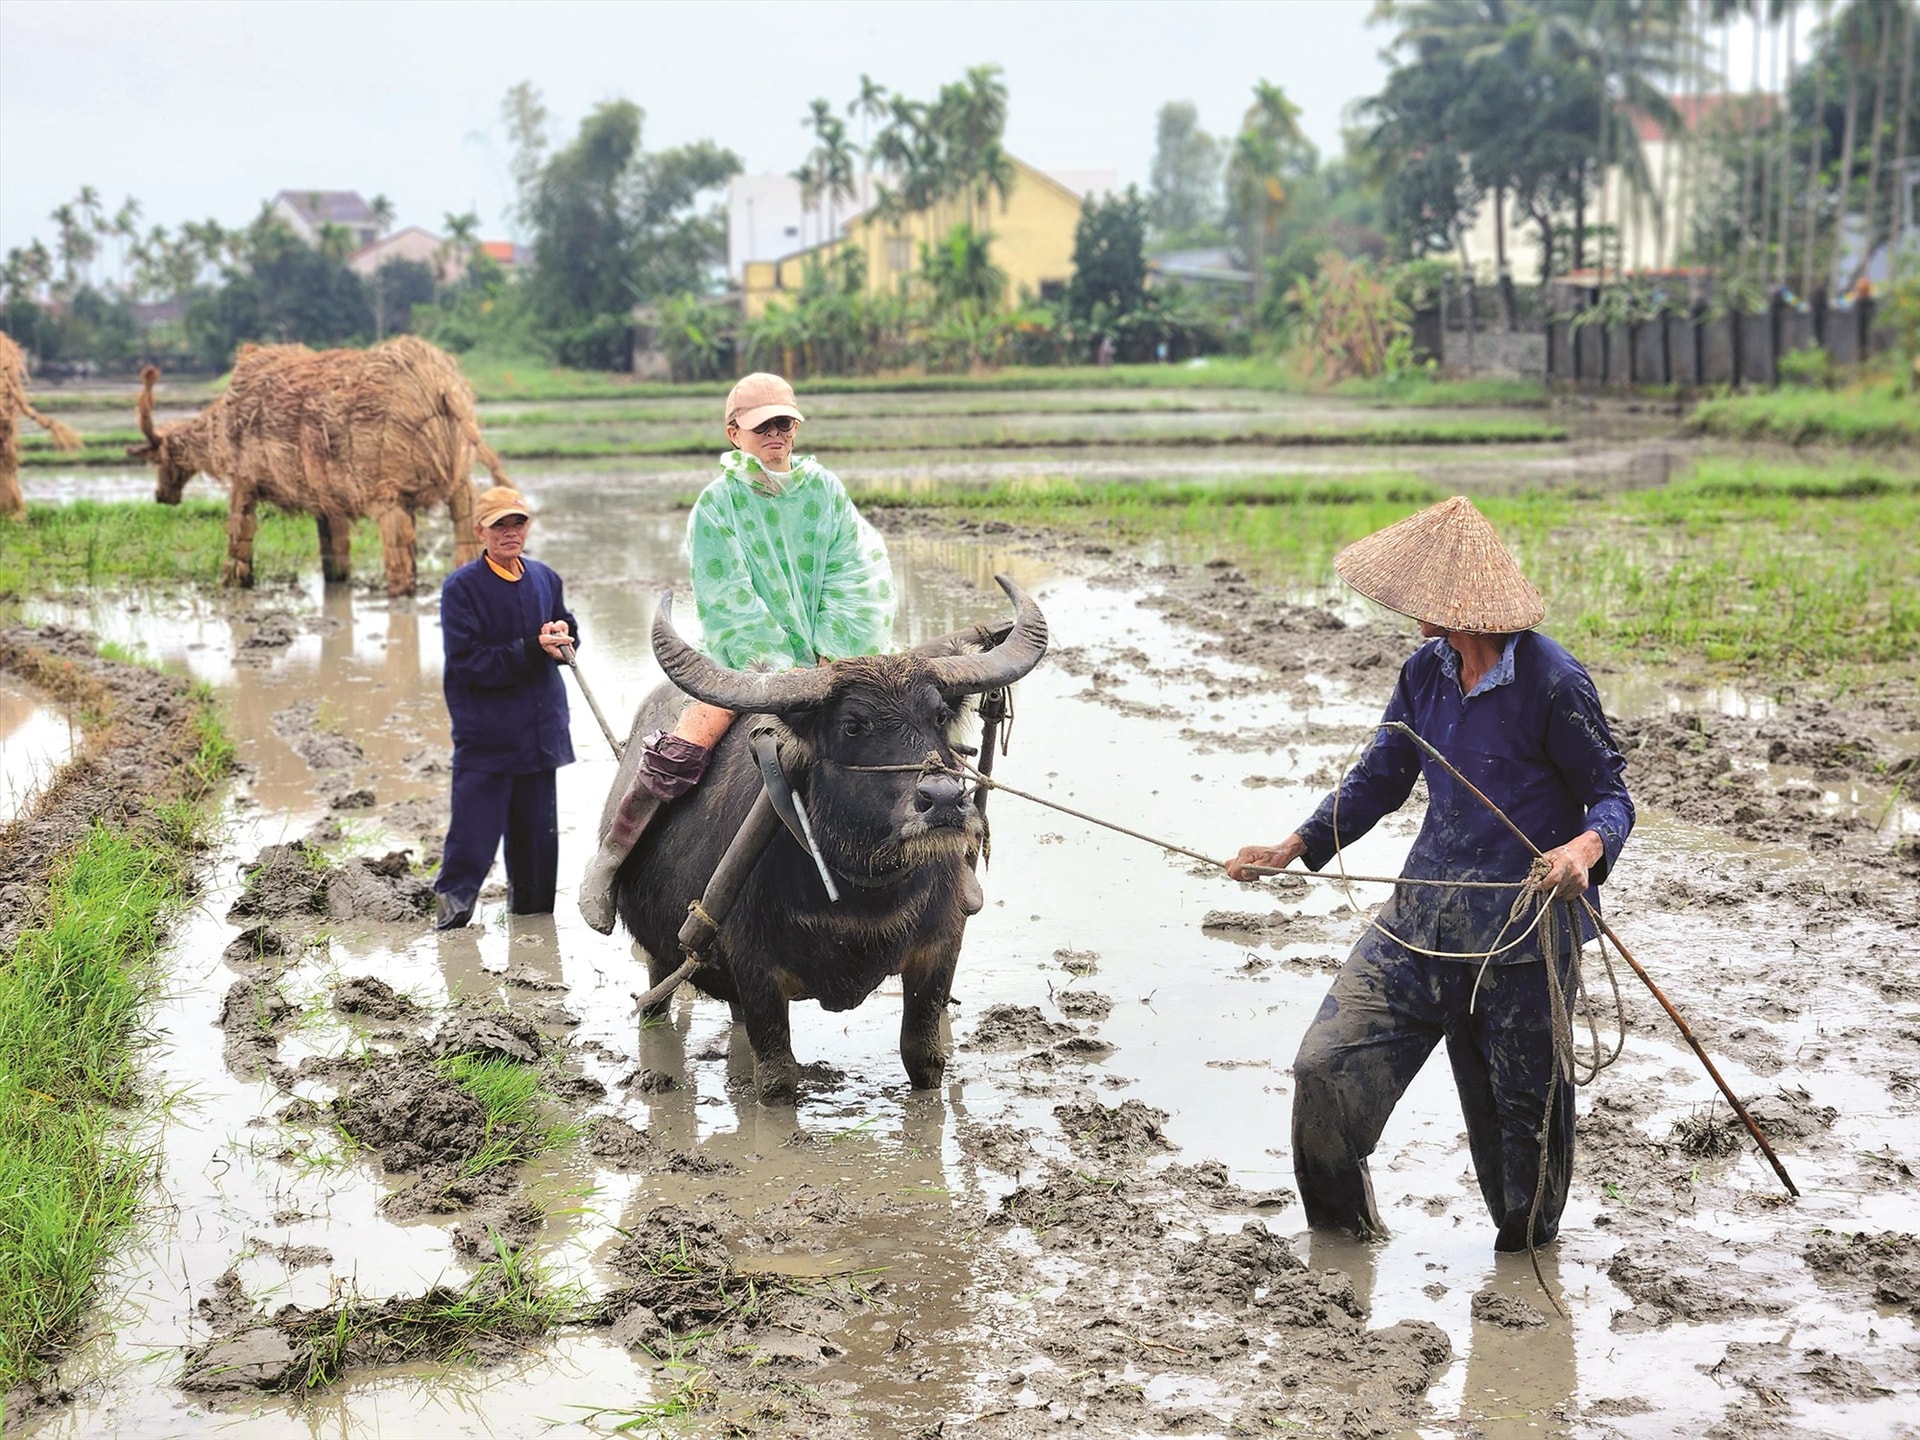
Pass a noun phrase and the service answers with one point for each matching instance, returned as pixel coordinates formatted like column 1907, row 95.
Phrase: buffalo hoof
column 776, row 1081
column 926, row 1075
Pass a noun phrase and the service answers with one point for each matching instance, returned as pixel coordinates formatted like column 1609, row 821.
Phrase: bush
column 1808, row 369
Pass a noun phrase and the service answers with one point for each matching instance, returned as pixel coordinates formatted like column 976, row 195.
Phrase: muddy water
column 35, row 740
column 1204, row 1024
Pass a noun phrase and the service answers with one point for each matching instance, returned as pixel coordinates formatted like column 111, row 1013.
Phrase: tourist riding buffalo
column 880, row 812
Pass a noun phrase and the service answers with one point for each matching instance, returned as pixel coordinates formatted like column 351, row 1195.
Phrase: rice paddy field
column 366, row 1180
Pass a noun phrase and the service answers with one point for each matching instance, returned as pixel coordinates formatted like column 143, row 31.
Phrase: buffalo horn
column 756, row 692
column 1007, row 661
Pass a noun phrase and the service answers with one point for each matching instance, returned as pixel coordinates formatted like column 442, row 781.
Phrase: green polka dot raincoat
column 781, row 578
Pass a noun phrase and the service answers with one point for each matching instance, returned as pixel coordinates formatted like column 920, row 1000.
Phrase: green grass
column 502, row 378
column 90, row 543
column 507, row 1300
column 511, row 1094
column 1740, row 567
column 1878, row 416
column 73, row 995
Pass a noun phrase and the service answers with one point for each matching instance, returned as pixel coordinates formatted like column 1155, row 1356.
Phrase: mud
column 139, row 742
column 1089, row 1229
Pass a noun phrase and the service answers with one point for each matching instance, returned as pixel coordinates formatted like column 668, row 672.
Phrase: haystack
column 336, row 434
column 14, row 402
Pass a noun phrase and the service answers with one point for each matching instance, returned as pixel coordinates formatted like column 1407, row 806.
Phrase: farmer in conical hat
column 1518, row 716
column 785, row 573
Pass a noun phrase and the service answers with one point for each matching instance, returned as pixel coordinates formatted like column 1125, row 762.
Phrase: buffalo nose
column 936, row 792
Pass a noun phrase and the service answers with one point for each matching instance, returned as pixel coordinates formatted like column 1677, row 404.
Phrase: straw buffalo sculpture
column 14, row 405
column 865, row 749
column 335, row 434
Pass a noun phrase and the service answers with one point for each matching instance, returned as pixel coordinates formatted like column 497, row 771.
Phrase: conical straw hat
column 1447, row 567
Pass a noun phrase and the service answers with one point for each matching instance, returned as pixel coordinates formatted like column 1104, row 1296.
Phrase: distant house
column 1032, row 240
column 504, row 253
column 1652, row 237
column 1210, row 269
column 307, row 212
column 421, row 246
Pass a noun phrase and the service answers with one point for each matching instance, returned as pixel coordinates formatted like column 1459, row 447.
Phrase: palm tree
column 125, row 227
column 1852, row 50
column 809, row 181
column 381, row 209
column 1903, row 182
column 1870, row 207
column 1783, row 255
column 1816, row 147
column 870, row 105
column 1269, row 132
column 463, row 237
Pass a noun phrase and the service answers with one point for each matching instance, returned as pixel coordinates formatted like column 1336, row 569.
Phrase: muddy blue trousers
column 487, row 808
column 1386, row 1012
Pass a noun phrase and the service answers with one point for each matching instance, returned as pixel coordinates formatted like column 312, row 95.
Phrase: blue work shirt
column 1534, row 740
column 504, row 693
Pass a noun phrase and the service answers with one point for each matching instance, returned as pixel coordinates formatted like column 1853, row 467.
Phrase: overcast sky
column 206, row 109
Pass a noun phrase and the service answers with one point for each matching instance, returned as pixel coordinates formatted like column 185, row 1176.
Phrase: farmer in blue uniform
column 1518, row 717
column 506, row 628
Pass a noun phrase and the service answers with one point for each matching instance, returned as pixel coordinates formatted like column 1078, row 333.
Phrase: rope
column 1538, row 912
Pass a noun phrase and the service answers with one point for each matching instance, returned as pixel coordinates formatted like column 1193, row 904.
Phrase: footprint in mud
column 299, row 726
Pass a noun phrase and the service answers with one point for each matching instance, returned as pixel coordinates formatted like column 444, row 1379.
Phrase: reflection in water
column 35, row 741
column 1520, row 1377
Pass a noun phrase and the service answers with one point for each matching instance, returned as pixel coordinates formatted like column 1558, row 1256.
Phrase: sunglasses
column 779, row 425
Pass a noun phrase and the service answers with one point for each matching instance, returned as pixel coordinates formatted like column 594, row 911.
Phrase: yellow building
column 1031, row 242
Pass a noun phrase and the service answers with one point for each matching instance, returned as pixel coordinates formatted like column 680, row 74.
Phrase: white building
column 307, row 212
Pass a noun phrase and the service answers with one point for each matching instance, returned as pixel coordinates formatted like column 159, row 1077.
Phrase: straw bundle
column 336, row 434
column 1445, row 566
column 14, row 403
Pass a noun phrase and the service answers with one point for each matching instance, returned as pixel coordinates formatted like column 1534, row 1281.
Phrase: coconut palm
column 1269, row 135
column 870, row 105
column 1870, row 230
column 381, row 209
column 1816, row 147
column 463, row 237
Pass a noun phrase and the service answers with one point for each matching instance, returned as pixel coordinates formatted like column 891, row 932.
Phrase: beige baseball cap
column 1445, row 566
column 498, row 503
column 758, row 398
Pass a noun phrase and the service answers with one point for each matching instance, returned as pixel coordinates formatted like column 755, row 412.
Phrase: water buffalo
column 900, row 843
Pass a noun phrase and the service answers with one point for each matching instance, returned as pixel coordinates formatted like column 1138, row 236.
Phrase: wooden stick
column 1686, row 1033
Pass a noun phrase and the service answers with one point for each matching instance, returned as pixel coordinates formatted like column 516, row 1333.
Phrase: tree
column 960, row 269
column 381, row 209
column 525, row 117
column 1185, row 181
column 1269, row 147
column 614, row 225
column 1109, row 257
column 463, row 238
column 870, row 105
